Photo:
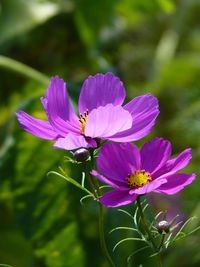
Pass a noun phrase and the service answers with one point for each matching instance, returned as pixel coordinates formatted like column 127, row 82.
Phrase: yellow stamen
column 138, row 179
column 82, row 120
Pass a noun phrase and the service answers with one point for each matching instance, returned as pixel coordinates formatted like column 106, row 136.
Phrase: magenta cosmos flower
column 132, row 172
column 101, row 114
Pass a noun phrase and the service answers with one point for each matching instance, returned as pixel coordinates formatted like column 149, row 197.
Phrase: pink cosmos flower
column 132, row 172
column 101, row 114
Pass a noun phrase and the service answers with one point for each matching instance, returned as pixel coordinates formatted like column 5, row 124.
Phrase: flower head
column 101, row 114
column 132, row 172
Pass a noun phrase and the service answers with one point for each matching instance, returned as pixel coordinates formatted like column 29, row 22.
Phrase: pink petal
column 57, row 100
column 176, row 164
column 64, row 127
column 116, row 161
column 100, row 90
column 148, row 187
column 154, row 154
column 36, row 127
column 117, row 198
column 107, row 121
column 144, row 110
column 58, row 108
column 175, row 183
column 72, row 141
column 114, row 183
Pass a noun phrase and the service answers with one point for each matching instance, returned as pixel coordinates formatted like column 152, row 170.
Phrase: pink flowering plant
column 133, row 173
column 99, row 137
column 101, row 114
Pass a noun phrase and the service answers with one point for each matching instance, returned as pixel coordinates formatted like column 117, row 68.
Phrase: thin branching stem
column 88, row 167
column 147, row 230
column 96, row 192
column 145, row 224
column 161, row 242
column 102, row 236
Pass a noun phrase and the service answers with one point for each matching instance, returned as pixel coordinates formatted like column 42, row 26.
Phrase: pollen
column 138, row 179
column 82, row 120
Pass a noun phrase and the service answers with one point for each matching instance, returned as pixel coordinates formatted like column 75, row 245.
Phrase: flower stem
column 88, row 167
column 145, row 224
column 102, row 235
column 161, row 241
column 96, row 193
column 147, row 230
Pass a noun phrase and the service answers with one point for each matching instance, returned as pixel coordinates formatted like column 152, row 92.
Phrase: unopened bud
column 163, row 227
column 81, row 154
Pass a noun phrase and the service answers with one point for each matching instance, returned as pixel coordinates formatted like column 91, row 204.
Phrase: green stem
column 162, row 241
column 92, row 186
column 88, row 165
column 94, row 183
column 147, row 230
column 102, row 235
column 96, row 191
column 145, row 224
column 16, row 66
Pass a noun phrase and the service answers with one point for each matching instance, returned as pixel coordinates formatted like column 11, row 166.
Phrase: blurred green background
column 153, row 46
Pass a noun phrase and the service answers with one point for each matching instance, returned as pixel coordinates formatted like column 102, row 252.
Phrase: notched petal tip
column 100, row 90
column 57, row 78
column 18, row 113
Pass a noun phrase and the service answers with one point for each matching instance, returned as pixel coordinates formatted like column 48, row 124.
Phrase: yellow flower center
column 82, row 120
column 138, row 179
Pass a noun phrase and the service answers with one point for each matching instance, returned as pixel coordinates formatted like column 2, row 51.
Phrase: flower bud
column 81, row 154
column 163, row 227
